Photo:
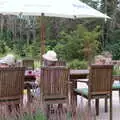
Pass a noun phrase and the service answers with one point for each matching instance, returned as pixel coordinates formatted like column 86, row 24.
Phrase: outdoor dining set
column 58, row 84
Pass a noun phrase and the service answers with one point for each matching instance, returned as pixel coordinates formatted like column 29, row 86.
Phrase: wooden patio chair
column 116, row 84
column 11, row 86
column 54, row 85
column 60, row 63
column 99, row 86
column 28, row 64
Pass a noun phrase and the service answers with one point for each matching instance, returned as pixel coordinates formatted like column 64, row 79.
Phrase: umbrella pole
column 42, row 50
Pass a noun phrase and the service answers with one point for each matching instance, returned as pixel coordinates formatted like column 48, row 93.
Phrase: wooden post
column 42, row 37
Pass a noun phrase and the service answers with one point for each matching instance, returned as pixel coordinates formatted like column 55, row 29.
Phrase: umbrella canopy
column 55, row 8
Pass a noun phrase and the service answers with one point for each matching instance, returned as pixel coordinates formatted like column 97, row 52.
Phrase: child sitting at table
column 49, row 59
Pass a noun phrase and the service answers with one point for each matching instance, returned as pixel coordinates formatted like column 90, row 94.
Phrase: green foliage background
column 78, row 39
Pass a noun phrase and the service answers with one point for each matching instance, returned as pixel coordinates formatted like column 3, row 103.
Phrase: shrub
column 26, row 113
column 37, row 115
column 76, row 64
column 116, row 70
column 78, row 44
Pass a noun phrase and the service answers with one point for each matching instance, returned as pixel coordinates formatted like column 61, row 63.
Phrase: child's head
column 50, row 58
column 3, row 63
column 9, row 59
column 99, row 59
column 108, row 57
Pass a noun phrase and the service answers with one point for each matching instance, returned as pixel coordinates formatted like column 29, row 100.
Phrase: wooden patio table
column 80, row 76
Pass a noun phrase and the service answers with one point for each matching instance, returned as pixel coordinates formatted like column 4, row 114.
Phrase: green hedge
column 116, row 70
column 77, row 64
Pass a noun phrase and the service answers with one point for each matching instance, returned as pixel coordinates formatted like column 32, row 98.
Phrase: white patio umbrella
column 55, row 8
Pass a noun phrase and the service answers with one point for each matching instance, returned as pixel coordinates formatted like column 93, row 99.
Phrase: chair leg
column 69, row 109
column 10, row 108
column 47, row 110
column 89, row 104
column 74, row 103
column 17, row 107
column 60, row 106
column 89, row 108
column 106, row 105
column 111, row 106
column 97, row 106
column 73, row 94
column 29, row 95
column 119, row 95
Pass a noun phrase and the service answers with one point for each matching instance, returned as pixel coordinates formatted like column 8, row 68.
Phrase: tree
column 78, row 44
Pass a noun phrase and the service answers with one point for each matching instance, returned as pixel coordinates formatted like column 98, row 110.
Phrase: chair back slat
column 28, row 63
column 60, row 63
column 100, row 79
column 54, row 81
column 11, row 82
